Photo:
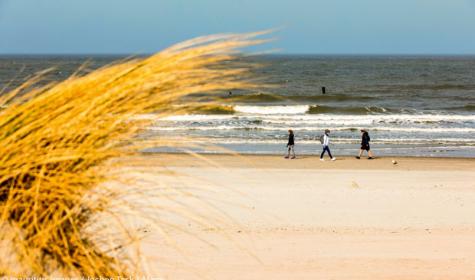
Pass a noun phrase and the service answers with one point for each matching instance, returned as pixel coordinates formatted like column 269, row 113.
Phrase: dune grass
column 57, row 143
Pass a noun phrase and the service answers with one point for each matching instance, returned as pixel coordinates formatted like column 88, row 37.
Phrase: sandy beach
column 265, row 217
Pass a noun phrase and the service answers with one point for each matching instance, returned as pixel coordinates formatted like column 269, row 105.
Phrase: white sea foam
column 196, row 117
column 269, row 124
column 272, row 110
column 336, row 140
column 326, row 118
column 315, row 128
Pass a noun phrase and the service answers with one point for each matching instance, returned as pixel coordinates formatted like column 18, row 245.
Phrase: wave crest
column 318, row 109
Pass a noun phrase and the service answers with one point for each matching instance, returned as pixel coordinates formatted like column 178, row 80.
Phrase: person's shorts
column 365, row 147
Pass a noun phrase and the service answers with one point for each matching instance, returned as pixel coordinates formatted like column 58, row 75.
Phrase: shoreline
column 308, row 162
column 339, row 150
column 304, row 155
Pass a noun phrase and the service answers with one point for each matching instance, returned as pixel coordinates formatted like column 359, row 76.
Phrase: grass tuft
column 57, row 143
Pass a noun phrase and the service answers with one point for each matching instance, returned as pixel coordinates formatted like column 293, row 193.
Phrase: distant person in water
column 365, row 144
column 290, row 145
column 325, row 140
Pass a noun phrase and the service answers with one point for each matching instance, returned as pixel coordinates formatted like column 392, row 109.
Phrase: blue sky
column 306, row 26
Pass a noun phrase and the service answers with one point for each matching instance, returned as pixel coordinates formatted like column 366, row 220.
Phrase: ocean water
column 416, row 106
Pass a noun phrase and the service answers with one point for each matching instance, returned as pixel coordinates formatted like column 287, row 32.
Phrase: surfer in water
column 290, row 145
column 365, row 144
column 325, row 140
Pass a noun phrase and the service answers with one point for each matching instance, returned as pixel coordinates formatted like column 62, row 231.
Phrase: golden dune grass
column 56, row 143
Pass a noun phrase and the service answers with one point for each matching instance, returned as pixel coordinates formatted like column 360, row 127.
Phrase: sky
column 304, row 26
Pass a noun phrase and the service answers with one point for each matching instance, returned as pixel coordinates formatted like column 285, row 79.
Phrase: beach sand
column 266, row 217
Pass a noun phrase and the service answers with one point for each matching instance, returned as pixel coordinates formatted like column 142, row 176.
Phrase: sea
column 410, row 105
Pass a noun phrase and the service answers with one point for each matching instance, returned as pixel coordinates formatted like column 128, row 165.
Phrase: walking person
column 365, row 144
column 291, row 144
column 325, row 139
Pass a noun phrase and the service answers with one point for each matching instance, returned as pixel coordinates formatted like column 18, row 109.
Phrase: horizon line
column 266, row 54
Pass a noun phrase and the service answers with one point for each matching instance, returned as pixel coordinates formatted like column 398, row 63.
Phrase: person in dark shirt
column 365, row 144
column 290, row 145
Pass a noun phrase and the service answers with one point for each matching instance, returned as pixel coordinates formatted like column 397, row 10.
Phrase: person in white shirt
column 326, row 144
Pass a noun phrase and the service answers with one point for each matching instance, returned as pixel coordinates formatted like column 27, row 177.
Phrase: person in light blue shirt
column 326, row 145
